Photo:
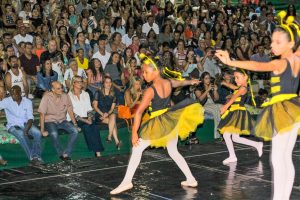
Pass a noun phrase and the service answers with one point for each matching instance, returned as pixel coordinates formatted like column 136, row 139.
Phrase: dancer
column 236, row 120
column 165, row 124
column 280, row 120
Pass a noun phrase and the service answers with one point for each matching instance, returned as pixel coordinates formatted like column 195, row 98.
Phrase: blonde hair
column 74, row 79
column 131, row 89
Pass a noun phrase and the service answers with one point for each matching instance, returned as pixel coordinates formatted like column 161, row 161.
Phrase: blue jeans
column 32, row 150
column 53, row 128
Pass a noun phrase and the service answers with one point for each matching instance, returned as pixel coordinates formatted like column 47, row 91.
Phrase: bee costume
column 162, row 129
column 282, row 112
column 237, row 119
column 166, row 123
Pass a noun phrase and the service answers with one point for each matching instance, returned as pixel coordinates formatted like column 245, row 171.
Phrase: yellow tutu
column 280, row 116
column 180, row 120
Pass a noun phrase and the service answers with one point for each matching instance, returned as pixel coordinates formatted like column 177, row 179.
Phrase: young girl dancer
column 165, row 124
column 280, row 120
column 236, row 120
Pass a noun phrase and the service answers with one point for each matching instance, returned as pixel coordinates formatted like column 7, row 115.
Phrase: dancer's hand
column 223, row 56
column 195, row 82
column 135, row 139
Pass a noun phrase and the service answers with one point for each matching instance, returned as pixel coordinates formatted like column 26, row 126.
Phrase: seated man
column 19, row 115
column 53, row 111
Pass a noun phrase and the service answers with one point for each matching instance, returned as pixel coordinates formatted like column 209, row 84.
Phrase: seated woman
column 131, row 70
column 82, row 109
column 207, row 94
column 95, row 75
column 44, row 78
column 133, row 94
column 104, row 104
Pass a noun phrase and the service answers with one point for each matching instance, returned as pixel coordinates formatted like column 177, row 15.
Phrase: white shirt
column 146, row 28
column 19, row 38
column 81, row 106
column 126, row 40
column 103, row 58
column 17, row 80
column 69, row 74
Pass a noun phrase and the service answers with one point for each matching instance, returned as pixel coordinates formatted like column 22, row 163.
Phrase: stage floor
column 157, row 177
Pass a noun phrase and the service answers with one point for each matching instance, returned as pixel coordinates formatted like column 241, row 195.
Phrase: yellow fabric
column 238, row 99
column 234, row 130
column 84, row 65
column 233, row 108
column 275, row 89
column 280, row 116
column 279, row 98
column 158, row 112
column 275, row 79
column 165, row 127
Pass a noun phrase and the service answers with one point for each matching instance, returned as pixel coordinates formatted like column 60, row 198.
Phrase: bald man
column 53, row 110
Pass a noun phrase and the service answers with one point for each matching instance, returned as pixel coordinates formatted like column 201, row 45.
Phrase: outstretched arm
column 275, row 65
column 148, row 96
column 176, row 83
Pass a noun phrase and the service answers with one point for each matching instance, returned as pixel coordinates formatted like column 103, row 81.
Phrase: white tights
column 172, row 151
column 282, row 163
column 228, row 137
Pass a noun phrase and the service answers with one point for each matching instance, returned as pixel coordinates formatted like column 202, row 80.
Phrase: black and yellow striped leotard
column 282, row 112
column 236, row 120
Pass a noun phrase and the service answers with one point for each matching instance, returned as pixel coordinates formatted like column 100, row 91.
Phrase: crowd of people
column 80, row 57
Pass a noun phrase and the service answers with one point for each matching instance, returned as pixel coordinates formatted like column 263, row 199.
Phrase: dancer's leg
column 290, row 169
column 180, row 161
column 258, row 145
column 232, row 157
column 134, row 161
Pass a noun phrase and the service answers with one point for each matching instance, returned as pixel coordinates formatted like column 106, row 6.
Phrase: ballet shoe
column 121, row 189
column 260, row 149
column 193, row 183
column 229, row 160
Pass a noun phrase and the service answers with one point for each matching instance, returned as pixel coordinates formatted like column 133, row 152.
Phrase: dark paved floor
column 157, row 178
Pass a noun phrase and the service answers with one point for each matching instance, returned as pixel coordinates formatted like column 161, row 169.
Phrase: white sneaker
column 229, row 160
column 121, row 189
column 189, row 184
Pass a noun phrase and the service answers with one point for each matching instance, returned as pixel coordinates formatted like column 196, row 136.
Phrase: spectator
column 127, row 38
column 207, row 94
column 16, row 76
column 19, row 116
column 133, row 95
column 81, row 44
column 39, row 47
column 114, row 69
column 82, row 110
column 150, row 25
column 180, row 53
column 9, row 19
column 73, row 71
column 53, row 110
column 23, row 36
column 104, row 105
column 52, row 52
column 130, row 71
column 117, row 26
column 45, row 78
column 82, row 62
column 210, row 64
column 95, row 76
column 243, row 50
column 102, row 54
column 31, row 65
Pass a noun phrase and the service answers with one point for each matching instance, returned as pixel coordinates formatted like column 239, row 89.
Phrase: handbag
column 125, row 113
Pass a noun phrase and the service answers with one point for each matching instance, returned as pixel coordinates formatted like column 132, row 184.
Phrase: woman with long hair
column 95, row 76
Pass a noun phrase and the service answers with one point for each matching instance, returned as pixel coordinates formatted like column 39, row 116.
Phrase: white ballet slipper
column 260, row 149
column 189, row 184
column 121, row 188
column 229, row 160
